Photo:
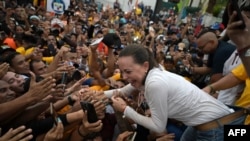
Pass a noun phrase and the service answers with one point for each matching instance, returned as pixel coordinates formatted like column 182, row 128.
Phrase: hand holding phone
column 131, row 137
column 126, row 136
column 235, row 7
column 91, row 113
column 64, row 79
column 53, row 113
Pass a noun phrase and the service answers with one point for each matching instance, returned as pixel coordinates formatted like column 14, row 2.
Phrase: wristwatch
column 247, row 53
column 71, row 101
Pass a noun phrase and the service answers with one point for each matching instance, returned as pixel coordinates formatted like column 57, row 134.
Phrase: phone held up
column 91, row 113
column 53, row 113
column 131, row 137
column 64, row 79
column 235, row 7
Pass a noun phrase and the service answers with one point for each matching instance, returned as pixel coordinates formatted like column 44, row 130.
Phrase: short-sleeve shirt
column 244, row 100
column 217, row 59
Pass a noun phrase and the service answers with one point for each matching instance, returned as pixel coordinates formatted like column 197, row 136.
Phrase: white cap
column 34, row 17
column 58, row 22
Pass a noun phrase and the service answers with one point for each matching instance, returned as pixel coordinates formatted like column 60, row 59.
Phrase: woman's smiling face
column 131, row 71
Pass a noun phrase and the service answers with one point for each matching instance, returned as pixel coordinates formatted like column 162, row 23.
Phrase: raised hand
column 123, row 136
column 118, row 103
column 239, row 36
column 100, row 96
column 18, row 134
column 39, row 90
column 3, row 69
column 88, row 128
column 167, row 137
column 99, row 108
column 77, row 86
column 55, row 133
column 58, row 93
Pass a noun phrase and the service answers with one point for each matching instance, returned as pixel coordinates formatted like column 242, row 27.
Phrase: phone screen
column 239, row 17
column 53, row 113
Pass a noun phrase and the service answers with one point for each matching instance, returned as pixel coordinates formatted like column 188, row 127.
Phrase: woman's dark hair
column 140, row 55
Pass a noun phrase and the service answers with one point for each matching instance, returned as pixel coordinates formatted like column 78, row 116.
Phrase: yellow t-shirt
column 138, row 34
column 244, row 100
column 104, row 88
column 138, row 11
column 24, row 52
column 21, row 50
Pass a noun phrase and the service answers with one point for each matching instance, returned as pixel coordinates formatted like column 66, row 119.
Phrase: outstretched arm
column 241, row 37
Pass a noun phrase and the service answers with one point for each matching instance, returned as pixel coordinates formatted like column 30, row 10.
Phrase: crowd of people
column 95, row 73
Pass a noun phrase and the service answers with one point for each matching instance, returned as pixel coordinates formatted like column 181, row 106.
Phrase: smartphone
column 235, row 7
column 64, row 79
column 68, row 13
column 52, row 49
column 131, row 137
column 53, row 113
column 89, row 107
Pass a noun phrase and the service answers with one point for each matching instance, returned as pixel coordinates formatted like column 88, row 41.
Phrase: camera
column 183, row 70
column 55, row 32
column 36, row 30
column 68, row 13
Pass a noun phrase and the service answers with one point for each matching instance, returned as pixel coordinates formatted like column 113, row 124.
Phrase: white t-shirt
column 171, row 96
column 228, row 96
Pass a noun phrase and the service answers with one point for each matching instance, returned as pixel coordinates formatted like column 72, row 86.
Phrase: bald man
column 218, row 51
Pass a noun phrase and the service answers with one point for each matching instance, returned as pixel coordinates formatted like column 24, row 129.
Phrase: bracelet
column 241, row 50
column 71, row 101
column 83, row 136
column 212, row 91
column 88, row 136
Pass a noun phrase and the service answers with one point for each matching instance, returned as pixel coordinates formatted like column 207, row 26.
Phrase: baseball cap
column 217, row 26
column 10, row 42
column 112, row 40
column 5, row 50
column 34, row 17
column 57, row 22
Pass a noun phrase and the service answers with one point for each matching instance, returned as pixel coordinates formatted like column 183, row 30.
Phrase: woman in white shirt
column 170, row 96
